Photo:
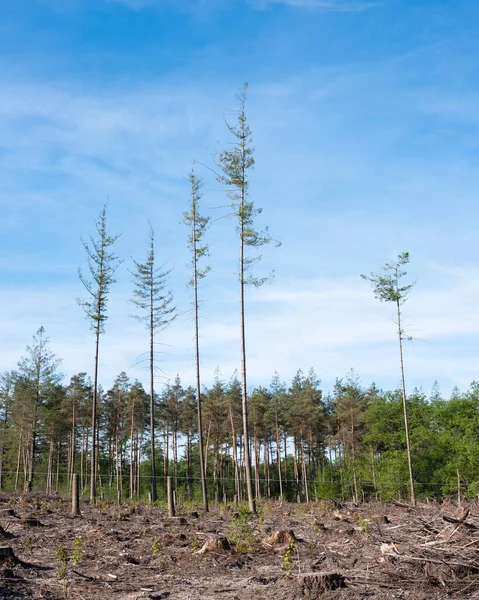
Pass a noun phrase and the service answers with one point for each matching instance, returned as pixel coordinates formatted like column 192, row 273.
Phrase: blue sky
column 365, row 121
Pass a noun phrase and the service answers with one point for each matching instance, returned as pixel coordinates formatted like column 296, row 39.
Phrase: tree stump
column 220, row 543
column 281, row 538
column 312, row 585
column 32, row 522
column 7, row 554
column 5, row 534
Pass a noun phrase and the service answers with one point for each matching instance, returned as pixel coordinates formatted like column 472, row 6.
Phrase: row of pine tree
column 304, row 444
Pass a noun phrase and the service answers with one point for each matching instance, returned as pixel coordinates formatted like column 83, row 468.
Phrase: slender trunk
column 175, row 455
column 73, row 448
column 57, row 477
column 373, row 470
column 207, row 445
column 198, row 383
column 2, row 448
column 278, row 457
column 458, row 488
column 166, row 459
column 295, row 466
column 404, row 402
column 139, row 444
column 19, row 453
column 235, row 453
column 353, row 455
column 267, row 485
column 153, row 487
column 215, row 470
column 93, row 419
column 51, row 452
column 98, row 470
column 82, row 455
column 187, row 461
column 304, row 475
column 257, row 448
column 132, row 450
column 244, row 397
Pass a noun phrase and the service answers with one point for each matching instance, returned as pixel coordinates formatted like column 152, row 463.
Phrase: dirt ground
column 321, row 550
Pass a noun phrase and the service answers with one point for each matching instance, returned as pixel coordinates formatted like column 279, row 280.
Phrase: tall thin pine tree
column 235, row 163
column 198, row 225
column 387, row 288
column 102, row 264
column 155, row 303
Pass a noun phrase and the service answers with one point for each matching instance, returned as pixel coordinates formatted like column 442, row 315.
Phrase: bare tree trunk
column 57, row 477
column 73, row 446
column 295, row 466
column 257, row 448
column 235, row 453
column 278, row 457
column 215, row 470
column 2, row 447
column 153, row 486
column 94, row 418
column 404, row 402
column 51, row 452
column 244, row 397
column 82, row 458
column 207, row 445
column 17, row 473
column 132, row 449
column 353, row 453
column 198, row 385
column 166, row 457
column 187, row 465
column 304, row 475
column 373, row 470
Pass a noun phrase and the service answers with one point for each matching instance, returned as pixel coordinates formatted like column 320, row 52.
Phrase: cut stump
column 7, row 554
column 282, row 538
column 220, row 543
column 312, row 585
column 32, row 522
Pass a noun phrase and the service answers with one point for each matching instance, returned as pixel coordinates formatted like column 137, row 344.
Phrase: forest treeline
column 304, row 444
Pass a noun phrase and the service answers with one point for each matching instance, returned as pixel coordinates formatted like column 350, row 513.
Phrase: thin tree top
column 234, row 163
column 102, row 264
column 150, row 293
column 386, row 284
column 198, row 225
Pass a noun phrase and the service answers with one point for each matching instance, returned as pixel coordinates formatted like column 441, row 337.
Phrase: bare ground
column 321, row 550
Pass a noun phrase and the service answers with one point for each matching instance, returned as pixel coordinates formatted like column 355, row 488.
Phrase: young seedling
column 77, row 551
column 288, row 556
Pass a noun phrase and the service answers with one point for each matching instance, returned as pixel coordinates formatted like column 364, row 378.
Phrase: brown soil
column 289, row 551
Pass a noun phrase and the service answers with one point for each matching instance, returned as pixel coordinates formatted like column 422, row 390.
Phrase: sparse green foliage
column 77, row 552
column 195, row 544
column 62, row 558
column 242, row 536
column 156, row 547
column 364, row 524
column 288, row 556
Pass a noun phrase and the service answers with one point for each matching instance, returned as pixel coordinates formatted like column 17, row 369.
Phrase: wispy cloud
column 325, row 5
column 195, row 5
column 192, row 6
